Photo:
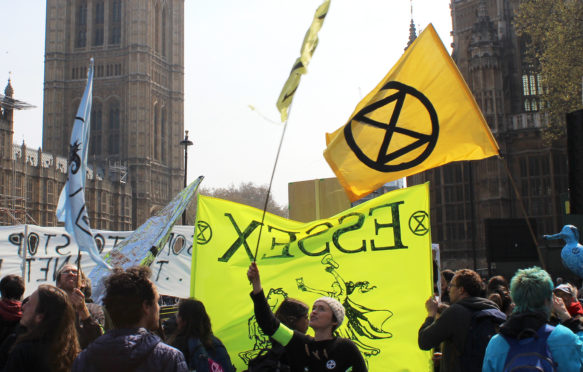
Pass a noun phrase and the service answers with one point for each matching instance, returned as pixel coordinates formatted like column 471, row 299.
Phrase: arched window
column 164, row 136
column 96, row 129
column 99, row 19
column 114, row 127
column 115, row 22
column 164, row 32
column 156, row 152
column 81, row 24
column 157, row 28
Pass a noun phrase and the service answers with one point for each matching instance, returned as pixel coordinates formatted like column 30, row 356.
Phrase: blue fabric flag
column 72, row 209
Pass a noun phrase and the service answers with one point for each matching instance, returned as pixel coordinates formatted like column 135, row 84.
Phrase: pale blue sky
column 239, row 53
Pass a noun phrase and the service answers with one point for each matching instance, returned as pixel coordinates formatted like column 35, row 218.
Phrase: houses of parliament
column 137, row 121
column 137, row 124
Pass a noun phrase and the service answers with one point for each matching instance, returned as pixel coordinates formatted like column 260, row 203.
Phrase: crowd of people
column 531, row 324
column 473, row 325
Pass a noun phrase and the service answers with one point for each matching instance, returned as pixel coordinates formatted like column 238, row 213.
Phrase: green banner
column 374, row 258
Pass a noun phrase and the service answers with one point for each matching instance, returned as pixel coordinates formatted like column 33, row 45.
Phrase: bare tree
column 246, row 193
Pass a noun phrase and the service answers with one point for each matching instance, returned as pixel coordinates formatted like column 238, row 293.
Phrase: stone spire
column 412, row 29
column 9, row 91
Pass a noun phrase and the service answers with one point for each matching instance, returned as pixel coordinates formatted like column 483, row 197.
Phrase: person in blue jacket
column 532, row 292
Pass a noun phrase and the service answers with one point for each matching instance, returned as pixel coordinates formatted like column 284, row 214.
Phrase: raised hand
column 253, row 276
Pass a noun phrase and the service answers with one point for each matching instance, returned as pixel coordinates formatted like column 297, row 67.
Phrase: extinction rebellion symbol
column 204, row 233
column 400, row 97
column 419, row 223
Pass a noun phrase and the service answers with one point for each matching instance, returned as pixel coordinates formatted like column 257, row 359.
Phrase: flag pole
column 79, row 271
column 271, row 181
column 523, row 209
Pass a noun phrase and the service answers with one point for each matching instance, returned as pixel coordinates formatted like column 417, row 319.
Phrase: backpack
column 483, row 325
column 530, row 354
column 200, row 361
column 269, row 360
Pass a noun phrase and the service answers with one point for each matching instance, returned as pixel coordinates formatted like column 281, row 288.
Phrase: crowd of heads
column 530, row 289
column 132, row 301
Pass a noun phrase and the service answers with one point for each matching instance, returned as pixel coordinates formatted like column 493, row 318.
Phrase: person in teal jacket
column 532, row 292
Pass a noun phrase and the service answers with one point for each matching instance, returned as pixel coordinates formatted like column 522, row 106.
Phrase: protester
column 88, row 322
column 131, row 300
column 50, row 343
column 446, row 276
column 532, row 292
column 11, row 289
column 567, row 293
column 194, row 337
column 452, row 327
column 324, row 351
column 498, row 292
column 437, row 350
column 293, row 314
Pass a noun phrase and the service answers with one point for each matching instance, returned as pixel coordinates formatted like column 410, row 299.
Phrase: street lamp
column 185, row 142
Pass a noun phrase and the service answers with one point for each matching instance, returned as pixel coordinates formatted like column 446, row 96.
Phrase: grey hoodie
column 126, row 350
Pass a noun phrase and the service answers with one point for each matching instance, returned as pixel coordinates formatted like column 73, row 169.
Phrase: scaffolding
column 118, row 171
column 14, row 212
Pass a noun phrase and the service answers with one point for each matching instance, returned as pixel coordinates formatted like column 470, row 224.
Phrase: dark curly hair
column 469, row 280
column 125, row 293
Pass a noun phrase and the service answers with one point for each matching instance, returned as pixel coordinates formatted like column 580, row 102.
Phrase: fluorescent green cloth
column 374, row 258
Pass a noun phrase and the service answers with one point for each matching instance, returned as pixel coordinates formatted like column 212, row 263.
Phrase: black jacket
column 451, row 328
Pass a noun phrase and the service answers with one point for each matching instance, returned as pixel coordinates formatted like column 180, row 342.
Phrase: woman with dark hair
column 324, row 351
column 194, row 337
column 50, row 344
column 293, row 314
column 497, row 291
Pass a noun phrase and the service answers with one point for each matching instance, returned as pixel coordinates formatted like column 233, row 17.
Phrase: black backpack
column 484, row 324
column 269, row 360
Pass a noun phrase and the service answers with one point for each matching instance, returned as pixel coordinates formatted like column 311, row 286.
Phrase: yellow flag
column 421, row 115
column 374, row 258
column 308, row 47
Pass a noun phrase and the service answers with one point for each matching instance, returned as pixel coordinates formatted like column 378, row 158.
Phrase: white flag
column 72, row 209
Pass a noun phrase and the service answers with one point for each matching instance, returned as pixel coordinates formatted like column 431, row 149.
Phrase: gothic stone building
column 138, row 91
column 472, row 202
column 31, row 182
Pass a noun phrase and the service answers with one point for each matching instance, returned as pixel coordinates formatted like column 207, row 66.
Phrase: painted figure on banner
column 275, row 297
column 363, row 323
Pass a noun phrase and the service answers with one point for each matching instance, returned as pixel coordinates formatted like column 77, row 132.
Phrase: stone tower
column 6, row 125
column 137, row 117
column 468, row 199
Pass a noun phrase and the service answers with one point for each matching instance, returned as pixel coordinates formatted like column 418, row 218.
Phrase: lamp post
column 185, row 142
